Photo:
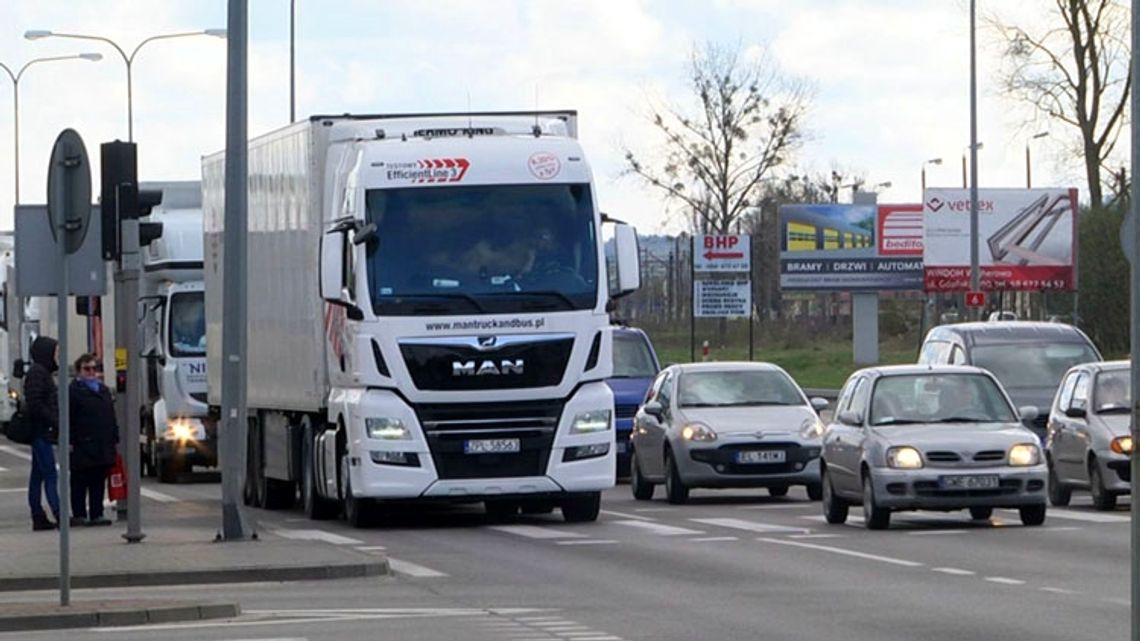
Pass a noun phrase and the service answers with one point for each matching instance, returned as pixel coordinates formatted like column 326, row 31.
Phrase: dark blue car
column 635, row 366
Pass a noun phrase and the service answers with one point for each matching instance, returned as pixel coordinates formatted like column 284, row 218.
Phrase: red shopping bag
column 117, row 481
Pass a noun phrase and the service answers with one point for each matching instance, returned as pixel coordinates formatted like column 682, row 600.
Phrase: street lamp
column 1028, row 175
column 15, row 76
column 128, row 59
column 967, row 148
column 932, row 161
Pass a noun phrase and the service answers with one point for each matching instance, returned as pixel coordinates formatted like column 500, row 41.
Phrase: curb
column 378, row 567
column 61, row 619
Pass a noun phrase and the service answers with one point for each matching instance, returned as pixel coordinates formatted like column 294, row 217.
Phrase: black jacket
column 41, row 398
column 93, row 429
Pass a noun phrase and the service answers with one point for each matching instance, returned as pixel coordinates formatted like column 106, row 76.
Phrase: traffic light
column 119, row 186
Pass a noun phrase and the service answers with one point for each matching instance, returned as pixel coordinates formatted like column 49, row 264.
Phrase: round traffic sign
column 69, row 190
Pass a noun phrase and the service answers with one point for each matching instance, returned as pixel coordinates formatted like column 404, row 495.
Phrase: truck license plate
column 761, row 456
column 491, row 446
column 970, row 482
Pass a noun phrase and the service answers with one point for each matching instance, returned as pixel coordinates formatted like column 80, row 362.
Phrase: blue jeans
column 43, row 474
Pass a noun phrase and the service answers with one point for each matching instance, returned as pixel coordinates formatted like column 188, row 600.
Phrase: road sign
column 975, row 300
column 722, row 253
column 722, row 298
column 69, row 189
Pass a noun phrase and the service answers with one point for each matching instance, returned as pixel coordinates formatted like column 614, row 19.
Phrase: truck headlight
column 387, row 429
column 1024, row 454
column 698, row 432
column 183, row 429
column 904, row 458
column 590, row 422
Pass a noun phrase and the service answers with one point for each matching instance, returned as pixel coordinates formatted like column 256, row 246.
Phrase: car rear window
column 1023, row 365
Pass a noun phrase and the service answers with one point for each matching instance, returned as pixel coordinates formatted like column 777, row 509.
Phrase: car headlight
column 387, row 429
column 1122, row 445
column 182, row 429
column 904, row 458
column 1024, row 454
column 592, row 421
column 811, row 428
column 698, row 432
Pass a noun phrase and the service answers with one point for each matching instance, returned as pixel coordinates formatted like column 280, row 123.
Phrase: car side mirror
column 1028, row 413
column 654, row 409
column 849, row 417
column 819, row 403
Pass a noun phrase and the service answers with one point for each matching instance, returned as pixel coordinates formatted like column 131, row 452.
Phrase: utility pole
column 975, row 277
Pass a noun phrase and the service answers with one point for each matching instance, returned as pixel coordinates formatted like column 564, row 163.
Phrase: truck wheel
column 316, row 507
column 582, row 508
column 500, row 510
column 536, row 507
column 357, row 511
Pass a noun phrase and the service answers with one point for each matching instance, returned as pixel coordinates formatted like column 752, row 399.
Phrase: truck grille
column 449, row 426
column 462, row 363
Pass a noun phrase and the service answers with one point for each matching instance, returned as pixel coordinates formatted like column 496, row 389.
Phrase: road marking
column 655, row 509
column 751, row 526
column 297, row 617
column 660, row 529
column 371, row 548
column 954, row 571
column 1004, row 581
column 852, row 520
column 627, row 516
column 317, row 535
column 155, row 495
column 1058, row 591
column 412, row 569
column 1062, row 528
column 936, row 532
column 1088, row 517
column 714, row 539
column 844, row 552
column 589, row 542
column 18, row 453
column 815, row 536
column 780, row 506
column 537, row 532
column 13, row 490
column 3, row 469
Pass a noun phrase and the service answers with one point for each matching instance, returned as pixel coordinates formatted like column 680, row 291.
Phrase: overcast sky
column 890, row 78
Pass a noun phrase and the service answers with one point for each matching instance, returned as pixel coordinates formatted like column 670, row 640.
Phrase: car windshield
column 1113, row 391
column 733, row 388
column 632, row 358
column 482, row 249
column 939, row 398
column 188, row 324
column 1027, row 365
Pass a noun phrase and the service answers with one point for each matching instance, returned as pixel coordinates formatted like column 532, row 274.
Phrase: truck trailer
column 427, row 305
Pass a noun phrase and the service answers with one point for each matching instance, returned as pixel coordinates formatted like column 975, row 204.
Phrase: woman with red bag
column 94, row 435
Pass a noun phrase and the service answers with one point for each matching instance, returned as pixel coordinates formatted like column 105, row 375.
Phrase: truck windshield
column 482, row 249
column 188, row 324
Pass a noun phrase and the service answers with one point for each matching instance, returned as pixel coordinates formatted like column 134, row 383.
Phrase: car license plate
column 969, row 482
column 491, row 446
column 761, row 456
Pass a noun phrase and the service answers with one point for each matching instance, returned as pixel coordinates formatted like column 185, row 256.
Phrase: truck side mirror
column 333, row 277
column 628, row 260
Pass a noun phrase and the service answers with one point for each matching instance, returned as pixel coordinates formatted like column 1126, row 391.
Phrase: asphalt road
column 730, row 565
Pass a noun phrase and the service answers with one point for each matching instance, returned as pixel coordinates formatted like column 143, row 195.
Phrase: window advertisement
column 850, row 247
column 1026, row 239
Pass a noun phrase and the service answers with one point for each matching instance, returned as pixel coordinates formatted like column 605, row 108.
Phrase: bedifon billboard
column 1026, row 239
column 831, row 247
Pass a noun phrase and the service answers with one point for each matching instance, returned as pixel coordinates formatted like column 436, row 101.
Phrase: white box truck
column 428, row 300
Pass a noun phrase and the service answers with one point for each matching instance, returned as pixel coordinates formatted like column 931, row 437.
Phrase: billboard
column 722, row 298
column 1026, row 239
column 850, row 247
column 722, row 253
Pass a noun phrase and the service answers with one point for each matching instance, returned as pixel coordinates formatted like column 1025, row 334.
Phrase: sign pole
column 693, row 300
column 1135, row 324
column 975, row 277
column 64, row 410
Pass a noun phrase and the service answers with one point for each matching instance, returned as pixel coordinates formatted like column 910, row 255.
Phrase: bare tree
column 1077, row 72
column 747, row 122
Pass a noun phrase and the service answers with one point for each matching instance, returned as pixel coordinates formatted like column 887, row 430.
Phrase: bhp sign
column 900, row 230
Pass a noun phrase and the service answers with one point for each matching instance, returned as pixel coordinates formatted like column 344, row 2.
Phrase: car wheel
column 642, row 489
column 778, row 490
column 981, row 513
column 875, row 517
column 1032, row 515
column 814, row 491
column 1059, row 494
column 1102, row 499
column 834, row 508
column 675, row 489
column 582, row 508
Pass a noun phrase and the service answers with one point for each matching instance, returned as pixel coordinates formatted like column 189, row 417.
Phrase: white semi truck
column 427, row 300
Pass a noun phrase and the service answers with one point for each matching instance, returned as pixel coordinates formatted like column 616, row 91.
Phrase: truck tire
column 316, row 507
column 357, row 511
column 582, row 508
column 254, row 493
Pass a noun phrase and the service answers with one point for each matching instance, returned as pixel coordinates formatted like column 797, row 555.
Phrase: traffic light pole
column 127, row 295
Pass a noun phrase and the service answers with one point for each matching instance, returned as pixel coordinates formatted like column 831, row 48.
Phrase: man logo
column 487, row 368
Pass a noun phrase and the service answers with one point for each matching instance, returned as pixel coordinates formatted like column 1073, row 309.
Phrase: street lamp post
column 965, row 184
column 128, row 59
column 1028, row 171
column 15, row 76
column 932, row 161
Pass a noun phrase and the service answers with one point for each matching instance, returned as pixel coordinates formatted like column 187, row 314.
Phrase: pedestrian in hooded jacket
column 94, row 434
column 41, row 402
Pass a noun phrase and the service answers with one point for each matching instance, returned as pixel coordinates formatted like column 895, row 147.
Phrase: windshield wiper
column 966, row 419
column 756, row 404
column 897, row 421
column 449, row 296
